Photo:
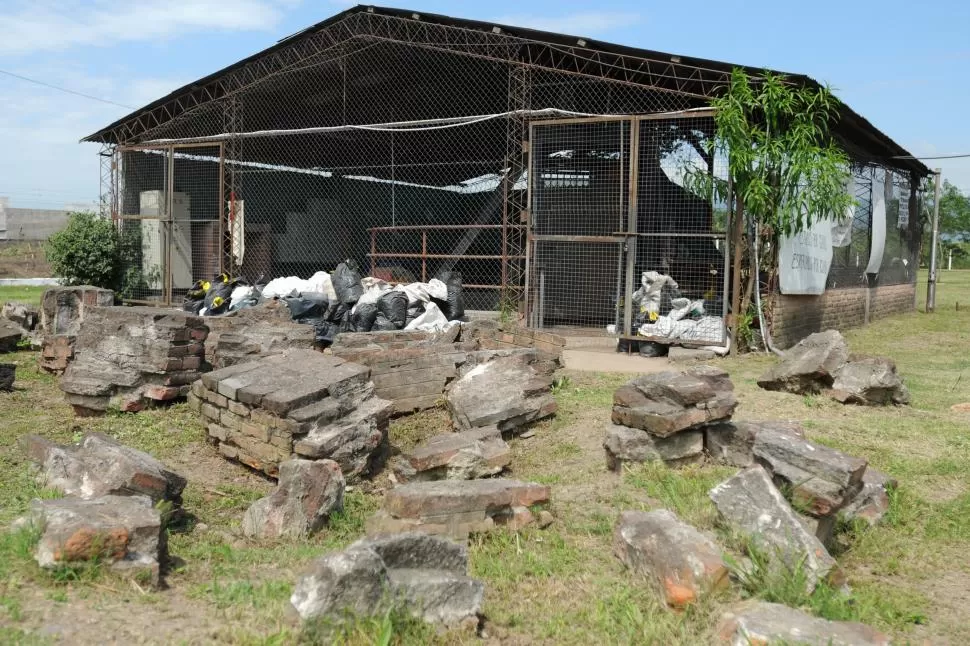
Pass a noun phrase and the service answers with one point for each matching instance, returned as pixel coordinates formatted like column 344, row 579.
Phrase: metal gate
column 170, row 212
column 612, row 198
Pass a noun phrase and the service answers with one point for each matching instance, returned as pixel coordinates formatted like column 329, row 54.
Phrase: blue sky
column 904, row 67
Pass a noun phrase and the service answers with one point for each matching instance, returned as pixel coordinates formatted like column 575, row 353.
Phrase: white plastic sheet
column 431, row 320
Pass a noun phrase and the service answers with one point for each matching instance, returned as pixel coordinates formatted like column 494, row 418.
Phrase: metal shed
column 545, row 168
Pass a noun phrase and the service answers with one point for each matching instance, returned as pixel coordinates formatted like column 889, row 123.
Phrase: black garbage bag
column 394, row 306
column 217, row 299
column 323, row 330
column 364, row 316
column 198, row 290
column 336, row 311
column 454, row 308
column 193, row 305
column 346, row 323
column 307, row 306
column 346, row 282
column 383, row 324
column 651, row 349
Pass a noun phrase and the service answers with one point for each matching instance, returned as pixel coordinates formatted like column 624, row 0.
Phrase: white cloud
column 31, row 26
column 40, row 128
column 584, row 23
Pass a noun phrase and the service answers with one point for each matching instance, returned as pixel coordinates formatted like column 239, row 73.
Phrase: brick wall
column 795, row 317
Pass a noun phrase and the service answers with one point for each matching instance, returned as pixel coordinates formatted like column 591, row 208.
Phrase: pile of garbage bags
column 220, row 295
column 344, row 301
column 661, row 311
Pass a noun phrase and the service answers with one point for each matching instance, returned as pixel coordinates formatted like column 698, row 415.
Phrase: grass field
column 909, row 577
column 28, row 295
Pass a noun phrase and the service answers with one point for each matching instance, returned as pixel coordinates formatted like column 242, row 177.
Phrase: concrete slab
column 612, row 361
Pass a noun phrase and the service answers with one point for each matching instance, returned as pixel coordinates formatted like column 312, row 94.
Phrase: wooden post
column 737, row 252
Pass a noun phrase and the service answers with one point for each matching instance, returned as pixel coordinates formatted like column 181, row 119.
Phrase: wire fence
column 363, row 140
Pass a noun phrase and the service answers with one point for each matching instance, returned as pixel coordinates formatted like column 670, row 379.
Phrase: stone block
column 669, row 402
column 772, row 623
column 631, row 445
column 751, row 504
column 682, row 563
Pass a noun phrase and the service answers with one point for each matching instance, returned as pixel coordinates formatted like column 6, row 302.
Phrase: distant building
column 34, row 224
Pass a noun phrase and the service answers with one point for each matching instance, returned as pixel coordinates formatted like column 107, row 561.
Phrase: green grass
column 561, row 585
column 26, row 295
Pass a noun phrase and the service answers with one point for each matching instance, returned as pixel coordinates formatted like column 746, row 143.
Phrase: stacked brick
column 126, row 357
column 255, row 332
column 295, row 404
column 62, row 311
column 663, row 416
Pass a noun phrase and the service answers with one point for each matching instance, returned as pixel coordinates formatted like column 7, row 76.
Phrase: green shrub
column 86, row 252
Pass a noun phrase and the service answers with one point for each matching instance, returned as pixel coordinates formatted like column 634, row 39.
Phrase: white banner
column 878, row 223
column 804, row 259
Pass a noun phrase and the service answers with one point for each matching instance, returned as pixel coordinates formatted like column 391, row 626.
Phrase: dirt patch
column 23, row 260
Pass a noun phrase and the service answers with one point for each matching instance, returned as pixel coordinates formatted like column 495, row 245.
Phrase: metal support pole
column 931, row 283
column 424, row 256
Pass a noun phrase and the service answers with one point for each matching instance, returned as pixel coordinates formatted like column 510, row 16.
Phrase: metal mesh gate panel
column 613, row 200
column 170, row 219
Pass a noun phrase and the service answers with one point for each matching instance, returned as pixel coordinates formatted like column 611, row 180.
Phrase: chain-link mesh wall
column 879, row 193
column 404, row 199
column 169, row 218
column 613, row 208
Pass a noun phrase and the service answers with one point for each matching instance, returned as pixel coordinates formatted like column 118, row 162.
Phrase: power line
column 960, row 156
column 62, row 89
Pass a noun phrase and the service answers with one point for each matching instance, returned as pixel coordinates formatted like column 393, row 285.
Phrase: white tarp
column 804, row 259
column 878, row 247
column 842, row 227
column 237, row 230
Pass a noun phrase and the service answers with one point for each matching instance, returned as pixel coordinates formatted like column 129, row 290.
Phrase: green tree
column 954, row 221
column 86, row 252
column 786, row 168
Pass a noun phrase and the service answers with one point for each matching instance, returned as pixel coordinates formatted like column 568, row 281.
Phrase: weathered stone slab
column 24, row 316
column 751, row 504
column 506, row 392
column 101, row 466
column 773, row 623
column 8, row 374
column 624, row 445
column 10, row 335
column 437, row 596
column 683, row 564
column 457, row 507
column 872, row 501
column 870, row 381
column 125, row 357
column 821, row 479
column 424, row 576
column 123, row 531
column 297, row 403
column 810, row 366
column 63, row 309
column 357, row 441
column 456, row 456
column 307, row 494
column 732, row 443
column 665, row 403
